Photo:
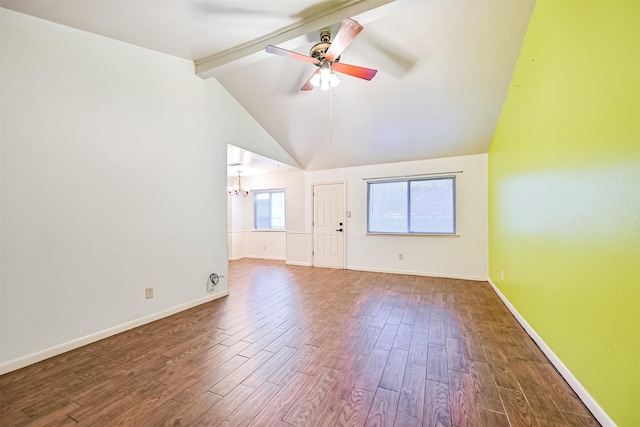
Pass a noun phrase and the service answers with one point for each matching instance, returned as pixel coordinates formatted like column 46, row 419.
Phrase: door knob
column 339, row 229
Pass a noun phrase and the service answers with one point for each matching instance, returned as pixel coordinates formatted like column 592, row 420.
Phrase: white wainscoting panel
column 299, row 249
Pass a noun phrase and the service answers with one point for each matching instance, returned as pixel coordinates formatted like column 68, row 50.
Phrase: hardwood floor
column 307, row 346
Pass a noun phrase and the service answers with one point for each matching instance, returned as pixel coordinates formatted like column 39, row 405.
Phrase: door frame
column 344, row 216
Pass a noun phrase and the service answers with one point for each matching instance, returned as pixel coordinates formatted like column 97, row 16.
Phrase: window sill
column 270, row 230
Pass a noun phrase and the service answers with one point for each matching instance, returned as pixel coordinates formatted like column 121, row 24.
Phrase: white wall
column 464, row 256
column 245, row 242
column 113, row 170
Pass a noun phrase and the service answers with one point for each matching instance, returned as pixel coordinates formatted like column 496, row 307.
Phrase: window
column 422, row 206
column 268, row 210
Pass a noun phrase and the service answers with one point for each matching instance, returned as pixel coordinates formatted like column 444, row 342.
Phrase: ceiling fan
column 326, row 54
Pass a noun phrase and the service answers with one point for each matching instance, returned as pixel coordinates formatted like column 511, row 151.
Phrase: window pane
column 261, row 219
column 388, row 207
column 269, row 210
column 277, row 210
column 412, row 206
column 432, row 206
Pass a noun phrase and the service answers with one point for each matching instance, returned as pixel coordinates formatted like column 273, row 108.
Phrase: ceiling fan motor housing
column 320, row 49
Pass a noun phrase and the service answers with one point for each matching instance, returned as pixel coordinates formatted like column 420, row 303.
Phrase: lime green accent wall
column 564, row 194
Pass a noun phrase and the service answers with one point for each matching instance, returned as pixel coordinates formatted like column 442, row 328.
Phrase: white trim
column 269, row 258
column 419, row 273
column 301, row 264
column 573, row 382
column 47, row 353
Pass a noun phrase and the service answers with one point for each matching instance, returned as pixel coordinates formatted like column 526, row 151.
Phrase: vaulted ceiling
column 444, row 67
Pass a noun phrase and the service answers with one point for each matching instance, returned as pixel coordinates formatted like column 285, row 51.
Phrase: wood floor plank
column 297, row 345
column 56, row 416
column 349, row 374
column 381, row 318
column 436, row 332
column 403, row 420
column 383, row 408
column 419, row 348
column 259, row 344
column 493, row 419
column 189, row 413
column 387, row 337
column 518, row 410
column 249, row 408
column 403, row 337
column 160, row 414
column 367, row 342
column 462, row 400
column 328, row 411
column 114, row 411
column 579, row 420
column 14, row 417
column 293, row 337
column 411, row 402
column 289, row 367
column 372, row 372
column 176, row 371
column 394, row 370
column 241, row 373
column 356, row 409
column 224, row 407
column 195, row 386
column 437, row 412
column 328, row 349
column 264, row 372
column 303, row 409
column 456, row 358
column 437, row 363
column 273, row 412
column 543, row 407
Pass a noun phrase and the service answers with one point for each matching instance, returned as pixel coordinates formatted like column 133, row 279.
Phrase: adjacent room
column 320, row 204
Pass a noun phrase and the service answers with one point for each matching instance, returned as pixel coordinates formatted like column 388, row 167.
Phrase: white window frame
column 270, row 192
column 408, row 182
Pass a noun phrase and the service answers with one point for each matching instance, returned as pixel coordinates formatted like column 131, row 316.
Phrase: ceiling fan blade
column 308, row 85
column 290, row 54
column 352, row 70
column 349, row 30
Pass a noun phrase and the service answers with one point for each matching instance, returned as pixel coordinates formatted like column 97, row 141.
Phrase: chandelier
column 237, row 190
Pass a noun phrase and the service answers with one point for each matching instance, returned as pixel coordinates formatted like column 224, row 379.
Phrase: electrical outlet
column 148, row 292
column 401, row 257
column 502, row 273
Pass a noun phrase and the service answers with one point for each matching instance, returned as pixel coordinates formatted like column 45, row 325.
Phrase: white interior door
column 328, row 225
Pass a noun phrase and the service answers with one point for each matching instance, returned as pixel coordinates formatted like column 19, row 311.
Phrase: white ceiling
column 249, row 163
column 444, row 67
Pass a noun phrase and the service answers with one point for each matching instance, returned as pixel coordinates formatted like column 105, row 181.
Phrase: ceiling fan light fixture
column 325, row 79
column 315, row 80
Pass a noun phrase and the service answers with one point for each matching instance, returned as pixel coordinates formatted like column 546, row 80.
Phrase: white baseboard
column 301, row 264
column 47, row 353
column 419, row 273
column 573, row 382
column 269, row 258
